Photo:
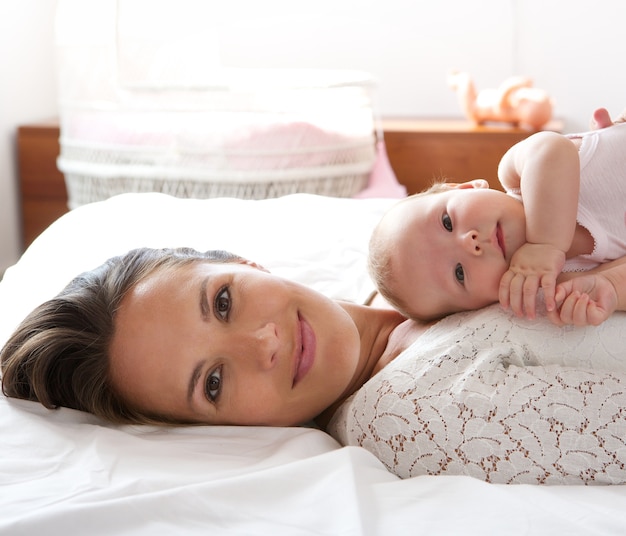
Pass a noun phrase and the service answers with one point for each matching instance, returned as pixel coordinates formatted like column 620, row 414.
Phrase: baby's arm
column 545, row 169
column 591, row 297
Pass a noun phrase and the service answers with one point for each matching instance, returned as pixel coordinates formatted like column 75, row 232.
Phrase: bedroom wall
column 571, row 48
column 27, row 93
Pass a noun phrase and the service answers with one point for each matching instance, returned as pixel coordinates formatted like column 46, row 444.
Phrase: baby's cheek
column 493, row 290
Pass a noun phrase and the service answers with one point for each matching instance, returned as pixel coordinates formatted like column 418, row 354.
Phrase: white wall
column 571, row 48
column 27, row 94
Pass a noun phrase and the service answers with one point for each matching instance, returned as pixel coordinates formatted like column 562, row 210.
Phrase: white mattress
column 65, row 472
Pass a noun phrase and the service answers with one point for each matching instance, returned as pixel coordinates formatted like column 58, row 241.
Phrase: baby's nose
column 471, row 243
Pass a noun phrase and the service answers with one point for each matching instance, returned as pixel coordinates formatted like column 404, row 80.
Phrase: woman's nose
column 471, row 244
column 265, row 345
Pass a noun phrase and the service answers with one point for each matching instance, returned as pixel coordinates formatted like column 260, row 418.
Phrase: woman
column 179, row 336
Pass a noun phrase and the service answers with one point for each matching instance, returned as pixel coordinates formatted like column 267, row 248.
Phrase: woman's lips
column 305, row 355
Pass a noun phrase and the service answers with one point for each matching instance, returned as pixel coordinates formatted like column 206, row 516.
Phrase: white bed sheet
column 65, row 472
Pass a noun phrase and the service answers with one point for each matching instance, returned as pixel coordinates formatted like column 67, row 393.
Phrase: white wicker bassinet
column 146, row 104
column 259, row 134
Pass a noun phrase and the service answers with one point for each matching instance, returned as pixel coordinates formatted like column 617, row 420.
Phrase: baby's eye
column 447, row 222
column 213, row 386
column 459, row 274
column 222, row 303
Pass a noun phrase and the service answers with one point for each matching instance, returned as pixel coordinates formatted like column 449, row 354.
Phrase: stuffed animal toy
column 515, row 101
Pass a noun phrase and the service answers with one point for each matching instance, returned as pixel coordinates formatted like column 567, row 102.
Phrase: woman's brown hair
column 58, row 355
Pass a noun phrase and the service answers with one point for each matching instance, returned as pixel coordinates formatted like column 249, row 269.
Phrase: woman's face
column 231, row 344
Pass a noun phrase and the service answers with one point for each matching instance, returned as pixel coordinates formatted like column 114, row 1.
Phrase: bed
column 65, row 472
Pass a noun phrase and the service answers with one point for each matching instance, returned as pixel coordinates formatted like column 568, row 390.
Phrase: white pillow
column 319, row 241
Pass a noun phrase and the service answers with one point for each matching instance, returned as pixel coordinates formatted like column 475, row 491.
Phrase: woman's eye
column 222, row 303
column 459, row 274
column 213, row 385
column 447, row 222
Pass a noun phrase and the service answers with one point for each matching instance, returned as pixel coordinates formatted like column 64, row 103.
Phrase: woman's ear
column 476, row 183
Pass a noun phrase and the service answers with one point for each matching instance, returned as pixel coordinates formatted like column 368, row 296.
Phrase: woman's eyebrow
column 205, row 309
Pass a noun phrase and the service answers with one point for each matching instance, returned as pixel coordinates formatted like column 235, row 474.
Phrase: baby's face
column 451, row 248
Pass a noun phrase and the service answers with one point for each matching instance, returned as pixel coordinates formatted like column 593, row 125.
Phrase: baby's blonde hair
column 379, row 258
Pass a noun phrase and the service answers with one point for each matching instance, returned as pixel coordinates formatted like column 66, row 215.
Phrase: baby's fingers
column 579, row 314
column 516, row 294
column 555, row 317
column 560, row 294
column 595, row 315
column 531, row 287
column 548, row 285
column 574, row 309
column 567, row 308
column 504, row 292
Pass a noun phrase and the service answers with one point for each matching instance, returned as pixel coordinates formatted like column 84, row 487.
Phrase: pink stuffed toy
column 516, row 101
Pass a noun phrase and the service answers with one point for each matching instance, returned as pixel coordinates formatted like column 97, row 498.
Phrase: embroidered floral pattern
column 501, row 399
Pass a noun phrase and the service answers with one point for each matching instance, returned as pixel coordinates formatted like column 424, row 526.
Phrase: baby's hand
column 532, row 267
column 588, row 299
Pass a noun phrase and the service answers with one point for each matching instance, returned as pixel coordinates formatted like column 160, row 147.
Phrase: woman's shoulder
column 402, row 337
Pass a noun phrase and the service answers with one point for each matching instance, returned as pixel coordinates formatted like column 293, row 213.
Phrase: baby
column 461, row 246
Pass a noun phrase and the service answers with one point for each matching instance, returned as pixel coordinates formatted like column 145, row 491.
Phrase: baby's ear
column 476, row 183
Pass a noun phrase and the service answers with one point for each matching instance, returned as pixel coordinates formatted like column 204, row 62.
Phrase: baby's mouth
column 500, row 238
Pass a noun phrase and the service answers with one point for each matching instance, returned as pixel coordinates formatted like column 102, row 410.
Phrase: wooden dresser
column 42, row 186
column 419, row 150
column 423, row 150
